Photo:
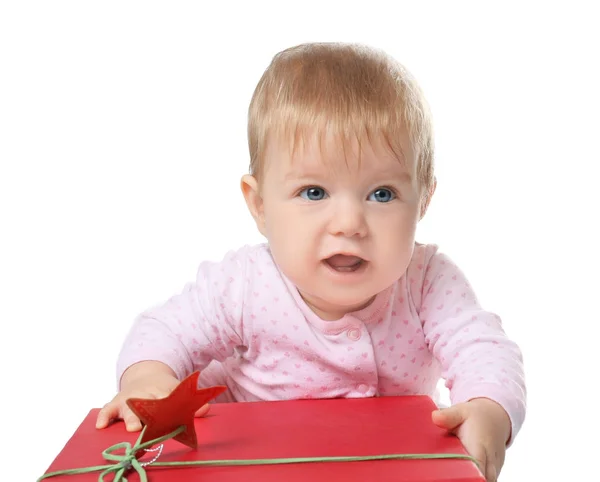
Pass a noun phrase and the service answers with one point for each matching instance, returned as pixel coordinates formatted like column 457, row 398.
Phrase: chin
column 349, row 303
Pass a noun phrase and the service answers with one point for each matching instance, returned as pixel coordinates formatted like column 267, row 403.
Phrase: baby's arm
column 167, row 343
column 478, row 359
column 147, row 379
column 483, row 368
column 201, row 324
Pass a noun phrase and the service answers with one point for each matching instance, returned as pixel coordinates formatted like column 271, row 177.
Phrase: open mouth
column 345, row 263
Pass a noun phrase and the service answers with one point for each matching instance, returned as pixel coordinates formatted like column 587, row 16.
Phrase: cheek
column 292, row 240
column 398, row 224
column 284, row 233
column 285, row 221
column 396, row 236
column 277, row 224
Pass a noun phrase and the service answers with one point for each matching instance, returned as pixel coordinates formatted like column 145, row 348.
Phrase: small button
column 354, row 334
column 362, row 388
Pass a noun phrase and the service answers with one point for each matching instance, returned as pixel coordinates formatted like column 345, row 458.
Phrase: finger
column 480, row 457
column 202, row 410
column 106, row 415
column 490, row 472
column 448, row 418
column 497, row 458
column 132, row 423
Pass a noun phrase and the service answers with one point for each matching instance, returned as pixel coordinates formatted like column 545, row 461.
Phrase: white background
column 122, row 141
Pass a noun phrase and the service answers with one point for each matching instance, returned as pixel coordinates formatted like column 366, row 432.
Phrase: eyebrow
column 404, row 177
column 295, row 175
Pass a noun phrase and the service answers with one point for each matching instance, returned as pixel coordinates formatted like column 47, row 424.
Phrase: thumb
column 448, row 418
column 203, row 410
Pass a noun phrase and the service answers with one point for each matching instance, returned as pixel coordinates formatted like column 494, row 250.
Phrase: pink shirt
column 268, row 344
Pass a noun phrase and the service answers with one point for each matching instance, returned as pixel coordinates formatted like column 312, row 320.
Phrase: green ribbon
column 128, row 461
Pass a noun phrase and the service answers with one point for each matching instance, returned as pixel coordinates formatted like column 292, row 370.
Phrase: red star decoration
column 163, row 415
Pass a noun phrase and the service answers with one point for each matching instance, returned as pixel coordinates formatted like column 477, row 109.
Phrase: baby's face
column 341, row 230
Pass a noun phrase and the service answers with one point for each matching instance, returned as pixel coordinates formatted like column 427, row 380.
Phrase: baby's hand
column 143, row 380
column 483, row 427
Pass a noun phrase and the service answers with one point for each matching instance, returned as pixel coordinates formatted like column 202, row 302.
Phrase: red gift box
column 291, row 429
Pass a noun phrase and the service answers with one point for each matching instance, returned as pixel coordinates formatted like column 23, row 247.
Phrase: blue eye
column 382, row 195
column 313, row 193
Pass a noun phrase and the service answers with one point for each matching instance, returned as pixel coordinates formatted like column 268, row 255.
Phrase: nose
column 348, row 219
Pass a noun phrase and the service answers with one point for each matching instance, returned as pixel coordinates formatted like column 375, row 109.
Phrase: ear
column 254, row 201
column 427, row 198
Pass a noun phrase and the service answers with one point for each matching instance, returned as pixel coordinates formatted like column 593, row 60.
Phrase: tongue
column 343, row 261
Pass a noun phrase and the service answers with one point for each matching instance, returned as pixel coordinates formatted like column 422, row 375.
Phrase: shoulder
column 424, row 255
column 429, row 258
column 429, row 265
column 251, row 256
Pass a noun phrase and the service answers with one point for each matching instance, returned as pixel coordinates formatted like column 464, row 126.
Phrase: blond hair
column 349, row 89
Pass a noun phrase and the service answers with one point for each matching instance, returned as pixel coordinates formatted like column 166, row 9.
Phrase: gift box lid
column 291, row 429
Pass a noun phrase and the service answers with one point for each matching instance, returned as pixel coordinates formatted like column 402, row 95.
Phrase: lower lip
column 347, row 275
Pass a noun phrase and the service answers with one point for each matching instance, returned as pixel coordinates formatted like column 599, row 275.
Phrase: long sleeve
column 201, row 324
column 477, row 358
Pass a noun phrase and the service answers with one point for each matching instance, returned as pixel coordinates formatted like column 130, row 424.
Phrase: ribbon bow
column 125, row 461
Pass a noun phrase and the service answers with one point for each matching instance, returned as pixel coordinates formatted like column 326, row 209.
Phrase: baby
column 341, row 301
